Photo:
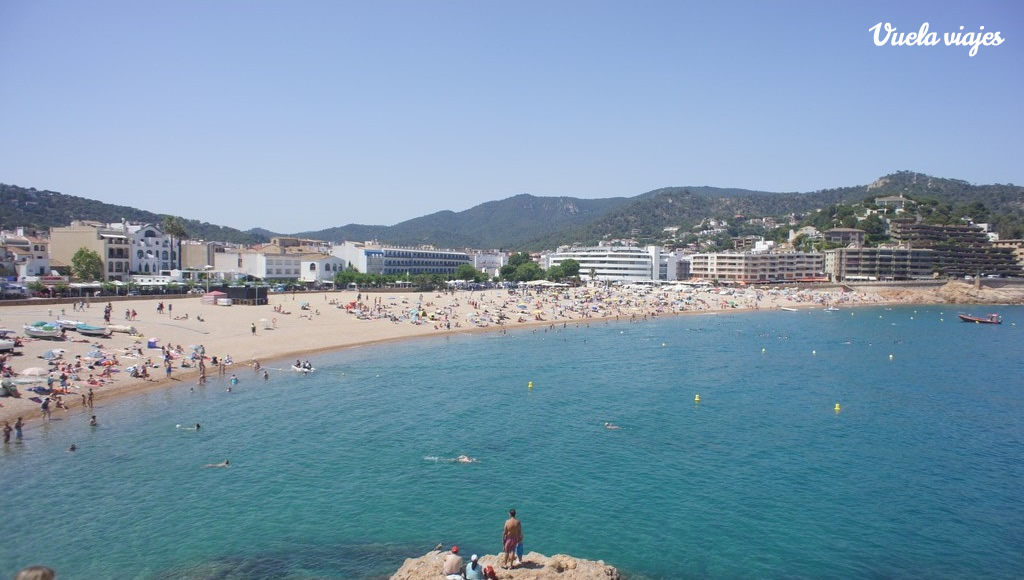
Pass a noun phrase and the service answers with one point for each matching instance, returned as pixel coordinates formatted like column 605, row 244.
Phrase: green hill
column 527, row 222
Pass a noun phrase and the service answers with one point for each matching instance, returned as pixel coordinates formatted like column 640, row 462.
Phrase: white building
column 489, row 262
column 613, row 263
column 24, row 255
column 319, row 269
column 257, row 264
column 373, row 258
column 151, row 250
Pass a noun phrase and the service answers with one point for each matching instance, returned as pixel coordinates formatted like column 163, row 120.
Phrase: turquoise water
column 346, row 472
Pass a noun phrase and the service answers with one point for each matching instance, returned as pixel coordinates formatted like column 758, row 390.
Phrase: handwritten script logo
column 886, row 34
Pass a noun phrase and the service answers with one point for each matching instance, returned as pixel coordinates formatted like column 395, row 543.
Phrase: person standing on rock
column 512, row 539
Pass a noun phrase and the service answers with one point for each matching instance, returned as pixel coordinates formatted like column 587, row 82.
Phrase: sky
column 302, row 115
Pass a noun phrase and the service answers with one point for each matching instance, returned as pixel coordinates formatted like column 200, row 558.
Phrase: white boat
column 43, row 330
column 126, row 328
column 831, row 309
column 6, row 344
column 787, row 309
column 90, row 330
column 68, row 324
column 300, row 369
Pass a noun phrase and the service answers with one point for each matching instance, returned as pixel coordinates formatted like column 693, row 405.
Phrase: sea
column 870, row 442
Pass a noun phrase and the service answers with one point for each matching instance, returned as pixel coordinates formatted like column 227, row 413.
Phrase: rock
column 534, row 567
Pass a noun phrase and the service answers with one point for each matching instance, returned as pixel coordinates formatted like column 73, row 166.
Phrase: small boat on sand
column 68, row 324
column 990, row 319
column 90, row 330
column 43, row 330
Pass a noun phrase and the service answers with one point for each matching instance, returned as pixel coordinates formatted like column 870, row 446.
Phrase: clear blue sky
column 376, row 112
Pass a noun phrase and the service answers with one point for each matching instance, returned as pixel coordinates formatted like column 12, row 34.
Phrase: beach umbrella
column 34, row 372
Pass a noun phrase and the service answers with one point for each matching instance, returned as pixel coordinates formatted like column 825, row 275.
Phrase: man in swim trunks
column 452, row 568
column 511, row 536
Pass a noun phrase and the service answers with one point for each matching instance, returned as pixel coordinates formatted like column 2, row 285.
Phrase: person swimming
column 466, row 459
column 224, row 463
column 608, row 425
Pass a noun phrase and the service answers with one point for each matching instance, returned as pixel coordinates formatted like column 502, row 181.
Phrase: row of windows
column 159, row 255
column 327, row 267
column 391, row 263
column 425, row 255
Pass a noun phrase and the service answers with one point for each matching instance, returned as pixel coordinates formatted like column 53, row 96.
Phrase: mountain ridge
column 528, row 222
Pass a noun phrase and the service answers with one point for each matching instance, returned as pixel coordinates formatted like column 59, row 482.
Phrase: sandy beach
column 330, row 321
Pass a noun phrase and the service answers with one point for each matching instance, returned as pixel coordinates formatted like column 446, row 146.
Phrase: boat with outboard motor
column 990, row 319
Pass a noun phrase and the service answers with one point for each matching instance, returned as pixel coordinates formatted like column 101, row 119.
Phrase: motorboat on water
column 990, row 319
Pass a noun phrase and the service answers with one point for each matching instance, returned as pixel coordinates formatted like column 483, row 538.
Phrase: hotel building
column 617, row 263
column 751, row 268
column 372, row 258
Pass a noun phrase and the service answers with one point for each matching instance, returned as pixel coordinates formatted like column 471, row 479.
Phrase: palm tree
column 173, row 227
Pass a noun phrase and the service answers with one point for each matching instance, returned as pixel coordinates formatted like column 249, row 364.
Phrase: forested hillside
column 45, row 209
column 527, row 222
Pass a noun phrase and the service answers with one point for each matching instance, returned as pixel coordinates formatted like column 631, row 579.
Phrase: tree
column 516, row 260
column 174, row 227
column 527, row 272
column 571, row 268
column 86, row 265
column 468, row 272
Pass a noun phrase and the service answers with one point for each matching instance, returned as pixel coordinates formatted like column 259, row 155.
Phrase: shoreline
column 228, row 330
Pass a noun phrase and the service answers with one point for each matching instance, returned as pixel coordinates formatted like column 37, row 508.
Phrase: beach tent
column 211, row 297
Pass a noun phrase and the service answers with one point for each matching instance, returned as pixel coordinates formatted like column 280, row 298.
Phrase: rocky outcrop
column 954, row 293
column 534, row 567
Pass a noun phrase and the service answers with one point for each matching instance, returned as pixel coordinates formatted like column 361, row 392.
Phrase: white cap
column 472, row 558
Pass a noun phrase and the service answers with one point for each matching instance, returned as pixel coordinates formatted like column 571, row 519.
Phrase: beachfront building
column 151, row 249
column 615, row 263
column 960, row 250
column 750, row 267
column 110, row 243
column 262, row 262
column 23, row 254
column 125, row 248
column 862, row 264
column 319, row 269
column 489, row 261
column 1015, row 246
column 199, row 254
column 374, row 258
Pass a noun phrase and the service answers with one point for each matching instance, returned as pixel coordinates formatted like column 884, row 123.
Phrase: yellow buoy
column 696, row 399
column 837, row 407
column 529, row 385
